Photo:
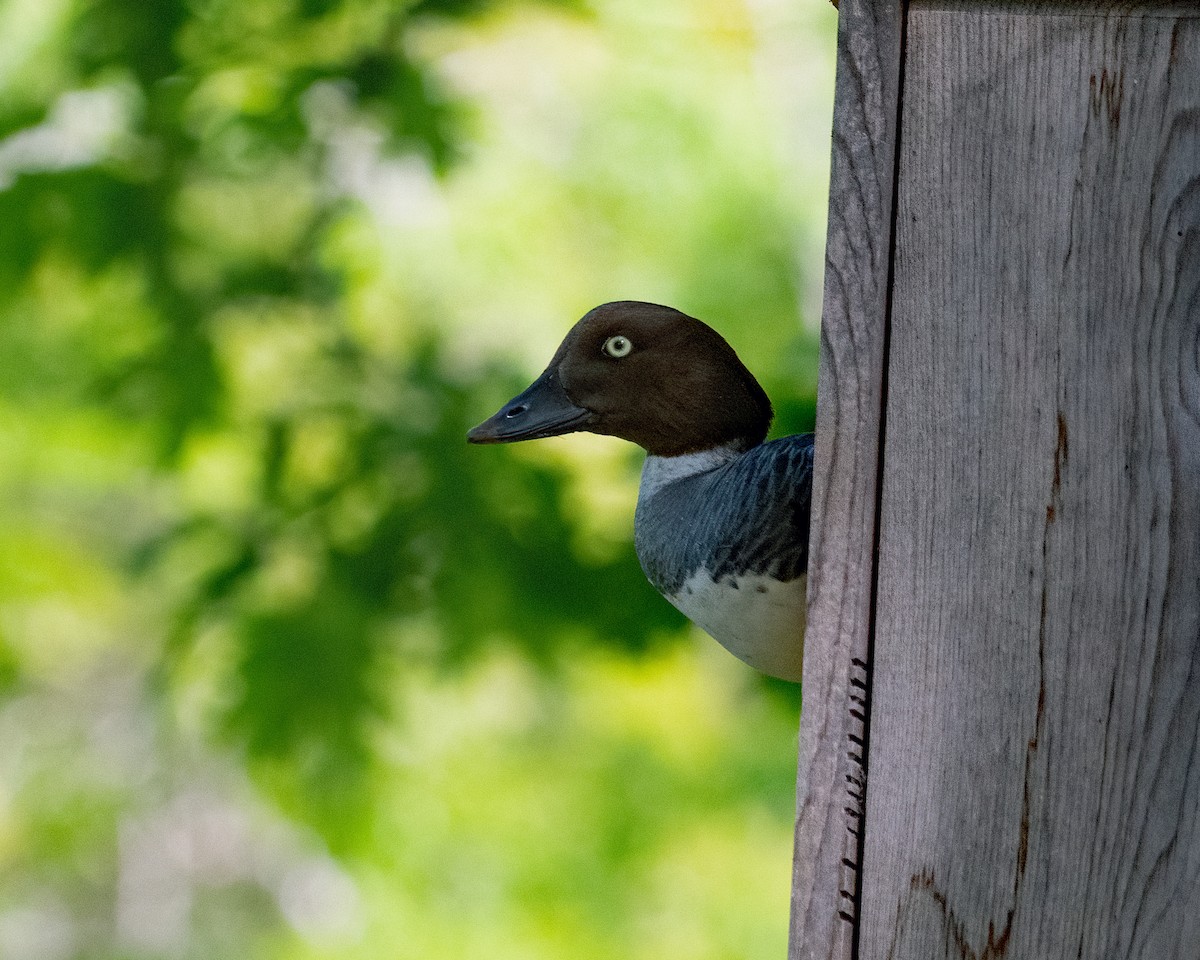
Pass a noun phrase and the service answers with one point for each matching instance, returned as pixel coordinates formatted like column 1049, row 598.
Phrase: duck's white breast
column 756, row 618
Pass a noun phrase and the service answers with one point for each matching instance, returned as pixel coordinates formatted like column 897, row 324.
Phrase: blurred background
column 287, row 670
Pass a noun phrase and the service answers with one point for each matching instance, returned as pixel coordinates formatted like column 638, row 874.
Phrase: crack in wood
column 924, row 880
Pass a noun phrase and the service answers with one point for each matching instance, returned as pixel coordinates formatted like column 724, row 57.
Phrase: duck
column 721, row 525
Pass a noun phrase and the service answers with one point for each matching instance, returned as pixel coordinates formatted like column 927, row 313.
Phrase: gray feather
column 749, row 515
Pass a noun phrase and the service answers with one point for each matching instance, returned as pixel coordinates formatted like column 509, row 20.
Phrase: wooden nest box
column 1000, row 743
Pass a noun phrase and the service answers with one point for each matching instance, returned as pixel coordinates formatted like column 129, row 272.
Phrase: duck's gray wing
column 750, row 516
column 765, row 505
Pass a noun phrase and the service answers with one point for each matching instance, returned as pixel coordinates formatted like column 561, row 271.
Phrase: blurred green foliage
column 286, row 669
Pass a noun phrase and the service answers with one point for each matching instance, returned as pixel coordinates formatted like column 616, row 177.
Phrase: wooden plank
column 1035, row 727
column 829, row 788
column 1105, row 9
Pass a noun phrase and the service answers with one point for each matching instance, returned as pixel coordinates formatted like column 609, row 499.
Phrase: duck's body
column 727, row 544
column 721, row 527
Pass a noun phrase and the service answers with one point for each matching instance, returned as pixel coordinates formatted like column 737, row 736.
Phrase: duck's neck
column 658, row 472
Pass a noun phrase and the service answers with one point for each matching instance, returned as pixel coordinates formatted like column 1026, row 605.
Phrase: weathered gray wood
column 1035, row 727
column 829, row 789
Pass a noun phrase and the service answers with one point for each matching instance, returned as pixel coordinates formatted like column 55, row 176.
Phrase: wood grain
column 830, row 782
column 1035, row 727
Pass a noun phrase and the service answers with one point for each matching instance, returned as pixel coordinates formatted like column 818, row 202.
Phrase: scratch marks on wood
column 1107, row 94
column 923, row 884
column 858, row 705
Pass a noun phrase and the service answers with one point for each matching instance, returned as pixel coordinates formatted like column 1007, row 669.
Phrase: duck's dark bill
column 543, row 410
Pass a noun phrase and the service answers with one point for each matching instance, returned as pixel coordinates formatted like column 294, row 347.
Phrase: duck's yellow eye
column 618, row 346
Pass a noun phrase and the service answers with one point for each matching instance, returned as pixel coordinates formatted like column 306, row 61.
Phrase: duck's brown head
column 645, row 373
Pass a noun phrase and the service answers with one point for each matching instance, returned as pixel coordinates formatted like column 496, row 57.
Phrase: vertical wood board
column 1035, row 727
column 830, row 781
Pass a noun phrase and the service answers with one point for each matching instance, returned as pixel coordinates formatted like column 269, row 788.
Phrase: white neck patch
column 657, row 472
